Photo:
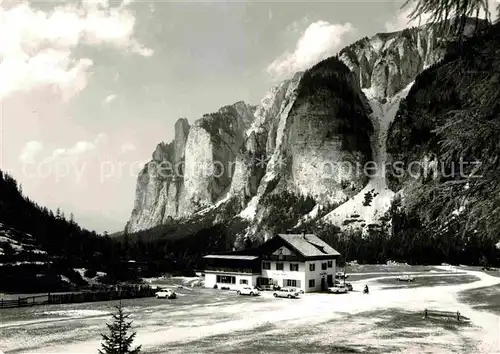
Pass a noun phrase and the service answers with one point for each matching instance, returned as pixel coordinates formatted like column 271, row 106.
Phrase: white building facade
column 232, row 281
column 302, row 261
column 231, row 271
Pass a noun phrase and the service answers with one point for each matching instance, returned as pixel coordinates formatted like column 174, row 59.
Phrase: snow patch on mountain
column 369, row 205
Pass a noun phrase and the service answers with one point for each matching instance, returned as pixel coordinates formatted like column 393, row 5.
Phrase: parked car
column 347, row 285
column 166, row 294
column 338, row 289
column 406, row 277
column 287, row 292
column 248, row 290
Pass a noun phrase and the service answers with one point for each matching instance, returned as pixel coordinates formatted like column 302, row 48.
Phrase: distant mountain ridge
column 336, row 112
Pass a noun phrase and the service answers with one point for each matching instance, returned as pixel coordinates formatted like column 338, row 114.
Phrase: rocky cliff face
column 327, row 132
column 386, row 66
column 387, row 62
column 194, row 170
column 309, row 136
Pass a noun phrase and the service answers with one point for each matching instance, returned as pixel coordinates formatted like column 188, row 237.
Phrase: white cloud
column 37, row 47
column 319, row 41
column 109, row 99
column 79, row 148
column 141, row 50
column 402, row 20
column 297, row 26
column 30, row 151
column 127, row 146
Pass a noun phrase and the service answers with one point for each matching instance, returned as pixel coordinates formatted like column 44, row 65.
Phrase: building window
column 280, row 251
column 330, row 264
column 279, row 266
column 244, row 281
column 266, row 265
column 226, row 279
column 294, row 267
column 311, row 283
column 291, row 282
column 323, row 266
column 312, row 267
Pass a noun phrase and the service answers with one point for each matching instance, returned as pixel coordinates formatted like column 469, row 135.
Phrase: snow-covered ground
column 205, row 320
column 89, row 281
column 10, row 236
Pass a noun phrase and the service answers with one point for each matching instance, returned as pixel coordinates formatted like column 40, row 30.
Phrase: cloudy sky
column 88, row 88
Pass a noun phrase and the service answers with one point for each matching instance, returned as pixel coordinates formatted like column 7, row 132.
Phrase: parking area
column 206, row 320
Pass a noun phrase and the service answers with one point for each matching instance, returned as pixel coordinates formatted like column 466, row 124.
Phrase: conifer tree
column 118, row 341
column 455, row 11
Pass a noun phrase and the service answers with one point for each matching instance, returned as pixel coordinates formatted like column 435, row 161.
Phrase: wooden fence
column 23, row 301
column 129, row 292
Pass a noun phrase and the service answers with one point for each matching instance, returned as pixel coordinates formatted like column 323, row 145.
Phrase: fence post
column 458, row 316
column 425, row 313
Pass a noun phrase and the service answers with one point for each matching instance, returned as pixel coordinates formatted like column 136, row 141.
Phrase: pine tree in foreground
column 118, row 341
column 456, row 11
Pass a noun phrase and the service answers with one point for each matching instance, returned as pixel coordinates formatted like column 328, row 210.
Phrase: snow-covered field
column 388, row 320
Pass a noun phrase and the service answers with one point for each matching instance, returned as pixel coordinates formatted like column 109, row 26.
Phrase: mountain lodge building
column 302, row 261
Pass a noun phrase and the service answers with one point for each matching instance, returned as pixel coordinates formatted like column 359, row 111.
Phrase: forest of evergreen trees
column 68, row 245
column 403, row 237
column 177, row 247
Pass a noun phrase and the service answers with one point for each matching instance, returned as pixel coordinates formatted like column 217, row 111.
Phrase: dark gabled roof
column 306, row 245
column 309, row 245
